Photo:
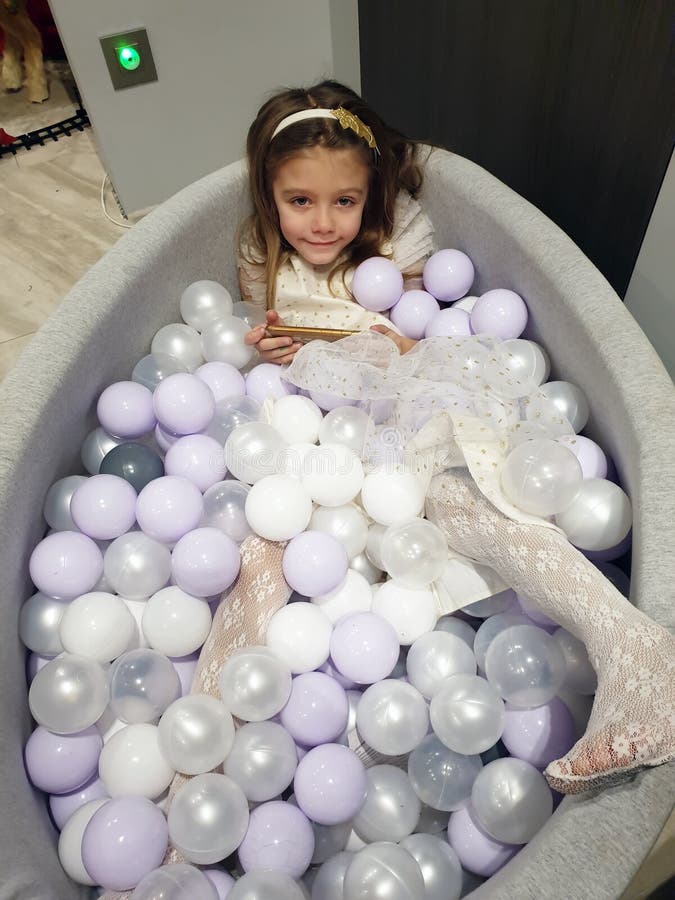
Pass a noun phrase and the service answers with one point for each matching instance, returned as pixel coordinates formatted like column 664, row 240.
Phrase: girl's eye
column 345, row 201
column 300, row 201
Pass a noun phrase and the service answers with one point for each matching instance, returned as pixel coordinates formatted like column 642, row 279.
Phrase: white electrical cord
column 105, row 211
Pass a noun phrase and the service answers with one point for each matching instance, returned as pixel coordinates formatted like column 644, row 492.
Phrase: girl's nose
column 323, row 221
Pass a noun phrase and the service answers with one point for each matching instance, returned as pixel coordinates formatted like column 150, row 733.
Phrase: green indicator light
column 128, row 58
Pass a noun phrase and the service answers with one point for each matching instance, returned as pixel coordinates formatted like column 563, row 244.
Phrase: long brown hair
column 395, row 168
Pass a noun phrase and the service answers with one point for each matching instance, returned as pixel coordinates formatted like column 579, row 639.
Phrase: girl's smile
column 320, row 195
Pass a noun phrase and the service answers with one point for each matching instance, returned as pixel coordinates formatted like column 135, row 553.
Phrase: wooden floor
column 53, row 230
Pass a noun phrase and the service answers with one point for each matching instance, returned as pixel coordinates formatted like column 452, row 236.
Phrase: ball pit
column 569, row 810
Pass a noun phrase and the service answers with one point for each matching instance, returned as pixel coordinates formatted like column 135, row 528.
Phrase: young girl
column 331, row 186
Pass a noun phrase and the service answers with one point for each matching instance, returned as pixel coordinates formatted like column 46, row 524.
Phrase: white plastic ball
column 541, row 477
column 353, row 595
column 467, row 714
column 347, row 523
column 70, row 842
column 332, row 474
column 392, row 717
column 299, row 635
column 97, row 625
column 599, row 517
column 176, row 623
column 204, row 302
column 297, row 419
column 278, row 507
column 511, row 800
column 196, row 733
column 411, row 611
column 435, row 657
column 392, row 498
column 132, row 762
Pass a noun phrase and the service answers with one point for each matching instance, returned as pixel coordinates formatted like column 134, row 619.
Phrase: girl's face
column 320, row 195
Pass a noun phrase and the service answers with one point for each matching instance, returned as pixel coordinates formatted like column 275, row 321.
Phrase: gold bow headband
column 346, row 119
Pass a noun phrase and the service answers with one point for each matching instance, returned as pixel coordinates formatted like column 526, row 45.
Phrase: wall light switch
column 129, row 58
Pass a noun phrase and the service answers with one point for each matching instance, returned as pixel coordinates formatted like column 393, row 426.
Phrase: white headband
column 300, row 116
column 346, row 119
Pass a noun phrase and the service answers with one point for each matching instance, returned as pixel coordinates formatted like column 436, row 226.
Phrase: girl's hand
column 278, row 350
column 403, row 343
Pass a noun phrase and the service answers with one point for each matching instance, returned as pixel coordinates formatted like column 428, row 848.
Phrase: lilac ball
column 62, row 806
column 590, row 455
column 316, row 711
column 315, row 563
column 413, row 312
column 169, row 507
column 205, row 562
column 377, row 284
column 448, row 275
column 330, row 784
column 477, row 851
column 223, row 379
column 186, row 666
column 104, row 507
column 364, row 647
column 539, row 735
column 222, row 882
column 124, row 840
column 125, row 409
column 450, row 322
column 197, row 457
column 183, row 403
column 279, row 837
column 59, row 763
column 66, row 564
column 499, row 313
column 265, row 380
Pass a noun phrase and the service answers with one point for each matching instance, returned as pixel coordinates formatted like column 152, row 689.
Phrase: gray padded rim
column 593, row 844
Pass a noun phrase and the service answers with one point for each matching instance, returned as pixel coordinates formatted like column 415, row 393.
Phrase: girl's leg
column 632, row 724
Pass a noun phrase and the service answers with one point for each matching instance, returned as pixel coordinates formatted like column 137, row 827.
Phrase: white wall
column 216, row 61
column 651, row 293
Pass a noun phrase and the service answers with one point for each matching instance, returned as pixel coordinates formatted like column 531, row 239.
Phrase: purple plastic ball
column 591, row 456
column 197, row 457
column 60, row 763
column 448, row 275
column 413, row 312
column 183, row 403
column 364, row 647
column 124, row 840
column 499, row 313
column 450, row 322
column 104, row 507
column 186, row 666
column 539, row 735
column 477, row 851
column 377, row 284
column 330, row 784
column 315, row 563
column 317, row 709
column 169, row 507
column 279, row 837
column 62, row 806
column 125, row 409
column 265, row 380
column 223, row 378
column 66, row 564
column 205, row 562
